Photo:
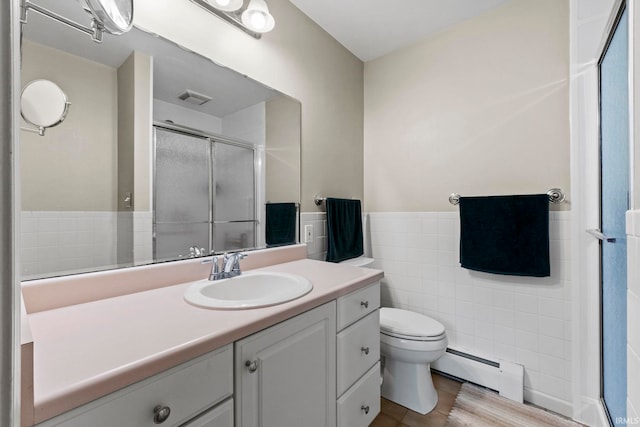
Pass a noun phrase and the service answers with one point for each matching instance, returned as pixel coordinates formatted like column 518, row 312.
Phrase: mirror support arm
column 39, row 130
column 96, row 31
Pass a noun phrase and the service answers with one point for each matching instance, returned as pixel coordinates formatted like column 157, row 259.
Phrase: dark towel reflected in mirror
column 280, row 224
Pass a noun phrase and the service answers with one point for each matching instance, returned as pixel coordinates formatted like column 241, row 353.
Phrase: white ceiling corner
column 370, row 28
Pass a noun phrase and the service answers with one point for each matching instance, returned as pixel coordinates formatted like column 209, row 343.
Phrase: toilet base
column 409, row 385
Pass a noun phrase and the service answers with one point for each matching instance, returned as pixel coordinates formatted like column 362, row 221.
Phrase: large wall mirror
column 163, row 155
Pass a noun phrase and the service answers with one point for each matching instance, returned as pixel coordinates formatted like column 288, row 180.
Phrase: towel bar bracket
column 555, row 196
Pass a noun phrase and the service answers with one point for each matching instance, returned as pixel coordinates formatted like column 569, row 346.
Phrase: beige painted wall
column 282, row 151
column 126, row 130
column 481, row 108
column 142, row 151
column 135, row 106
column 297, row 58
column 73, row 167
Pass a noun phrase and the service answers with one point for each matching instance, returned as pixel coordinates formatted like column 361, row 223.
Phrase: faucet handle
column 237, row 257
column 232, row 264
column 215, row 269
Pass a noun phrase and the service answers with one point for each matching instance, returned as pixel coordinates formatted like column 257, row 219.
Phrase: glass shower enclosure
column 204, row 194
column 614, row 202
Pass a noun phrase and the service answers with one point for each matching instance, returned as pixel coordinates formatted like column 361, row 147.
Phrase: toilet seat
column 413, row 338
column 408, row 325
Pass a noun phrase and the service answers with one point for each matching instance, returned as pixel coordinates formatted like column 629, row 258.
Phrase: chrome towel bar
column 555, row 196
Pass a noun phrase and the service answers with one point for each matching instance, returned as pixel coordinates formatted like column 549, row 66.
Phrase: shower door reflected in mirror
column 181, row 194
column 234, row 202
column 204, row 193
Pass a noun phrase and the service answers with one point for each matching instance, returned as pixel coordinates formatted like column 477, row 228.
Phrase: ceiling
column 370, row 29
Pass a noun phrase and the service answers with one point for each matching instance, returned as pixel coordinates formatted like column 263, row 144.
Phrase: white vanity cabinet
column 285, row 375
column 183, row 394
column 358, row 357
column 316, row 369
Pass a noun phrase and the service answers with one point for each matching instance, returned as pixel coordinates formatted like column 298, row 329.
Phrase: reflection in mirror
column 43, row 104
column 115, row 186
column 115, row 15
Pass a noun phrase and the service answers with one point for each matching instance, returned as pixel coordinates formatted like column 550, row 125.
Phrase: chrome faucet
column 231, row 266
column 194, row 251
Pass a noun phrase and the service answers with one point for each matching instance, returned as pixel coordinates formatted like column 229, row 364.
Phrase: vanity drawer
column 361, row 403
column 358, row 350
column 187, row 389
column 220, row 416
column 358, row 304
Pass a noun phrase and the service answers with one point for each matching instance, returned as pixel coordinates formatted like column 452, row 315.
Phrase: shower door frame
column 619, row 8
column 211, row 139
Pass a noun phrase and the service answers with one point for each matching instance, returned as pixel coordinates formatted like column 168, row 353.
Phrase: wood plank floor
column 394, row 415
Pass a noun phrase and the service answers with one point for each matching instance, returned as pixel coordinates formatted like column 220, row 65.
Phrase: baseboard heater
column 507, row 378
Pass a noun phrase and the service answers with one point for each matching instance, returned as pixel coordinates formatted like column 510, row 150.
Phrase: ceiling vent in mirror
column 193, row 97
column 110, row 16
column 251, row 16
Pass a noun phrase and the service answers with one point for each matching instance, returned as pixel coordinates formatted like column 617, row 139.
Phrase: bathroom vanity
column 150, row 358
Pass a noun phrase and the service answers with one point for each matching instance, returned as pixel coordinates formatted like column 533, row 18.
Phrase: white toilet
column 361, row 261
column 409, row 342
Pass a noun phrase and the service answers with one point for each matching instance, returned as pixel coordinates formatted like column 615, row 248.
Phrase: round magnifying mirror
column 115, row 15
column 43, row 104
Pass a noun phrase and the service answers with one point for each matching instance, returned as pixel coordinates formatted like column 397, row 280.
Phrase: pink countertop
column 87, row 350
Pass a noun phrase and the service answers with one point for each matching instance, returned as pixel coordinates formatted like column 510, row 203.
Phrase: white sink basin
column 249, row 290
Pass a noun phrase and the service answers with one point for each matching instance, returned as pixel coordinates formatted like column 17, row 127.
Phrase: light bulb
column 256, row 17
column 258, row 20
column 226, row 5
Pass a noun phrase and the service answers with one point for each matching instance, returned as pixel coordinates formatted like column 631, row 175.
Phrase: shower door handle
column 601, row 236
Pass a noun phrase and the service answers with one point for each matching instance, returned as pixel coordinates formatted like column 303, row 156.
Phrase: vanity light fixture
column 253, row 18
column 226, row 5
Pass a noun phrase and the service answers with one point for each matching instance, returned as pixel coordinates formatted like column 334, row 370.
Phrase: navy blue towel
column 280, row 224
column 505, row 234
column 344, row 229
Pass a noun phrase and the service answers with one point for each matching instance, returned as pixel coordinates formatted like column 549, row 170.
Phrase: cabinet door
column 286, row 374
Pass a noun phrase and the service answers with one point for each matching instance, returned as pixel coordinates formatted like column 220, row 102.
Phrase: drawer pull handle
column 365, row 350
column 160, row 414
column 252, row 365
column 364, row 304
column 365, row 409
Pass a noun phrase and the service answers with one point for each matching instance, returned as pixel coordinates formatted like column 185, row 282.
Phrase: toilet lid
column 360, row 261
column 408, row 323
